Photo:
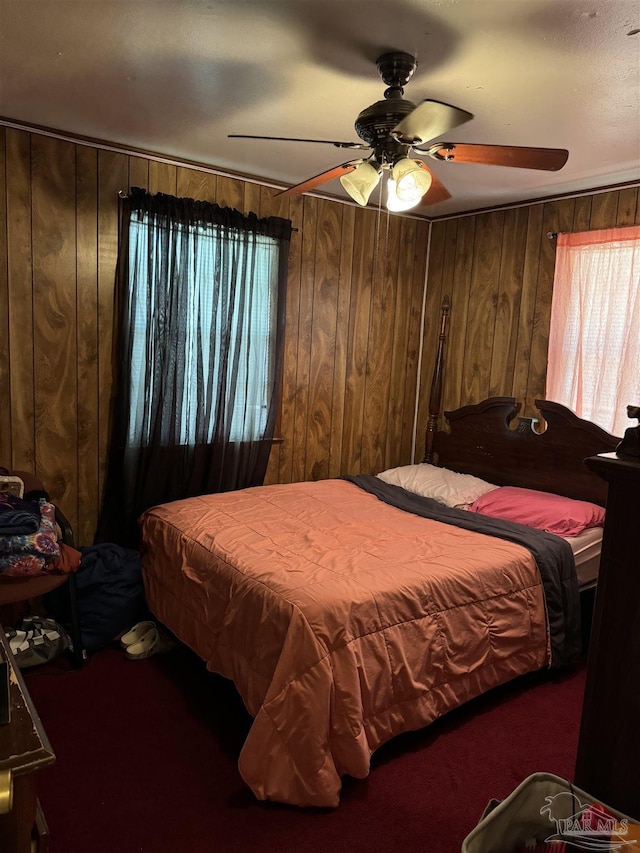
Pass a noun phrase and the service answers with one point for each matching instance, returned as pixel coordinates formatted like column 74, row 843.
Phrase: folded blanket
column 29, row 554
column 17, row 516
column 553, row 556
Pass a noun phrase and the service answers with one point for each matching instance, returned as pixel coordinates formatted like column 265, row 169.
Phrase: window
column 201, row 292
column 224, row 339
column 594, row 342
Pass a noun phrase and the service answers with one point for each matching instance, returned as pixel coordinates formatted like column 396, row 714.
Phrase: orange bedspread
column 342, row 621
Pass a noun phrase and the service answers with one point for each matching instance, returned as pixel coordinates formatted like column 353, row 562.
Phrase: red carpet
column 147, row 750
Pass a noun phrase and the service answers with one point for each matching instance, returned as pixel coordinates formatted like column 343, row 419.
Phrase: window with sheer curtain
column 201, row 293
column 225, row 337
column 594, row 343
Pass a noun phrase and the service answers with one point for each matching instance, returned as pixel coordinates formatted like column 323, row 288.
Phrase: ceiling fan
column 394, row 129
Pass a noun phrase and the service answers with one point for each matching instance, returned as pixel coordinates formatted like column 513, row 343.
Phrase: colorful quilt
column 26, row 554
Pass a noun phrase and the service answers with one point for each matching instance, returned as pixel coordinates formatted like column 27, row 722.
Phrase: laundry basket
column 545, row 807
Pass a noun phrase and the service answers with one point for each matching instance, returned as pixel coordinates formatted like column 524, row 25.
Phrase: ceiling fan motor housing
column 375, row 123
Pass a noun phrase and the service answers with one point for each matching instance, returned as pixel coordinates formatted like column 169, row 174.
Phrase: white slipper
column 136, row 633
column 154, row 642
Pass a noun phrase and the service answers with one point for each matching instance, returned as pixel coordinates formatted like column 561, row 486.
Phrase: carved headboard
column 485, row 440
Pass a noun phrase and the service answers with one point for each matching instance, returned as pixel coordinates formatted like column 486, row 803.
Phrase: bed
column 348, row 611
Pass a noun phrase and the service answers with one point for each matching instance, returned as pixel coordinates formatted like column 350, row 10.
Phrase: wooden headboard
column 482, row 440
column 485, row 440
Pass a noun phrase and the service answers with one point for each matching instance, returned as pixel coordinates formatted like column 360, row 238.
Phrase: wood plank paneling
column 448, row 287
column 251, row 199
column 163, row 178
column 230, row 192
column 54, row 316
column 138, row 173
column 192, row 183
column 431, row 327
column 5, row 376
column 358, row 337
column 20, row 299
column 531, row 248
column 509, row 354
column 402, row 315
column 413, row 341
column 289, row 392
column 113, row 172
column 381, row 320
column 627, row 206
column 265, row 202
column 354, row 332
column 557, row 216
column 305, row 332
column 581, row 213
column 505, row 336
column 88, row 344
column 483, row 301
column 460, row 289
column 341, row 341
column 604, row 211
column 323, row 339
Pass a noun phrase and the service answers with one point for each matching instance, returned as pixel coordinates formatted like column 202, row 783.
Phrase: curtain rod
column 125, row 194
column 553, row 234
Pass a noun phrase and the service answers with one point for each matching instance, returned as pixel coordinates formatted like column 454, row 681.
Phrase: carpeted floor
column 147, row 750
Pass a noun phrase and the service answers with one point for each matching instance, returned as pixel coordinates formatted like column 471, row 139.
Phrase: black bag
column 110, row 594
column 37, row 641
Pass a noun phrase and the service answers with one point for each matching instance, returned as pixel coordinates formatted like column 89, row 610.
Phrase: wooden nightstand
column 608, row 761
column 24, row 749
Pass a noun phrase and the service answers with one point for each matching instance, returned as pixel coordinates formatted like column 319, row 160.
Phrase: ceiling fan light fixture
column 411, row 180
column 396, row 204
column 361, row 182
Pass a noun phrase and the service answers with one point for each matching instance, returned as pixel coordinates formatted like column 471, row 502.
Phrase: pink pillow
column 542, row 510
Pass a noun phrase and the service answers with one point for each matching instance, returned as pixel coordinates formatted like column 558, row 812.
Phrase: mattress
column 586, row 547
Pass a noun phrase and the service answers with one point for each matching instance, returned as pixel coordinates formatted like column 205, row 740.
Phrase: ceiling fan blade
column 428, row 120
column 359, row 145
column 322, row 178
column 437, row 191
column 547, row 159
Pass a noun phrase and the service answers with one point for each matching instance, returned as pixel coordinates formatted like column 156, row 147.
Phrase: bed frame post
column 435, row 396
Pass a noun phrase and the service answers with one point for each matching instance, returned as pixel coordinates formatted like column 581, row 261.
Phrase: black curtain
column 200, row 305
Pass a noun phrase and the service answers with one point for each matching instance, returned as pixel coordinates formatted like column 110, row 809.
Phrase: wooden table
column 24, row 749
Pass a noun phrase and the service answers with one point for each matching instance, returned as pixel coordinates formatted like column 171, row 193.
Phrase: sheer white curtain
column 594, row 343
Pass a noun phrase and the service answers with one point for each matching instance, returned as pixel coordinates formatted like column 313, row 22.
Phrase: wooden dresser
column 608, row 761
column 24, row 749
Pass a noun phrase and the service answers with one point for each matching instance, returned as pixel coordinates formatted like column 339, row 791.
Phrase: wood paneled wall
column 354, row 306
column 498, row 269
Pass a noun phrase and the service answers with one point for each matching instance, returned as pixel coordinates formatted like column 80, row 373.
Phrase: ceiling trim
column 539, row 200
column 91, row 142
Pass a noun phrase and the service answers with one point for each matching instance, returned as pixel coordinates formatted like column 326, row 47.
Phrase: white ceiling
column 174, row 77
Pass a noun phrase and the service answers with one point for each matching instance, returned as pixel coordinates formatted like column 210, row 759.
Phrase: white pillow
column 447, row 487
